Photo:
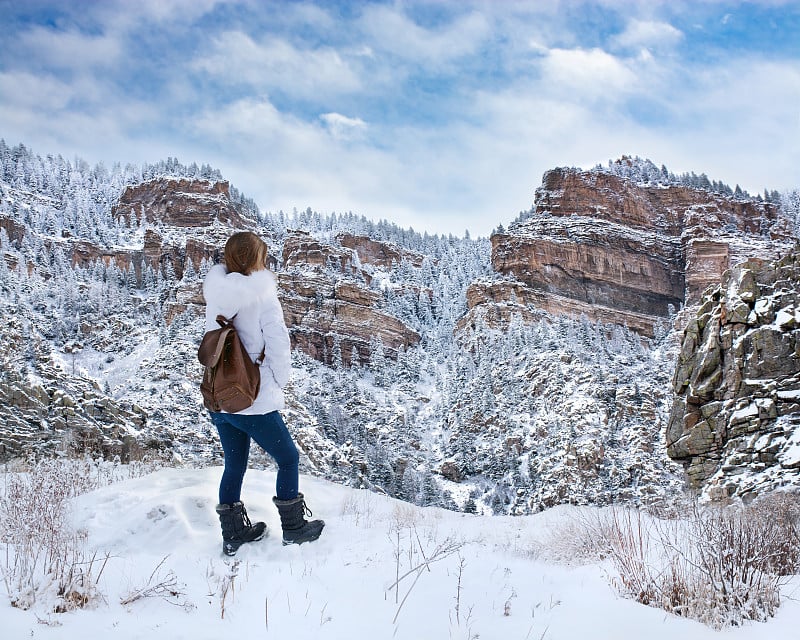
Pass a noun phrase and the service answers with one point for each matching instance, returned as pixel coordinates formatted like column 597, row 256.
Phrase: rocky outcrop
column 615, row 249
column 497, row 301
column 13, row 229
column 595, row 264
column 301, row 249
column 328, row 305
column 83, row 253
column 48, row 410
column 156, row 252
column 380, row 254
column 735, row 422
column 159, row 252
column 181, row 202
column 183, row 219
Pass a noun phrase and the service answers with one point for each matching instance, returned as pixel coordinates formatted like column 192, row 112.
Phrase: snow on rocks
column 738, row 377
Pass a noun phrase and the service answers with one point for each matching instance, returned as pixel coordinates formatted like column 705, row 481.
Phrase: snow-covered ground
column 482, row 580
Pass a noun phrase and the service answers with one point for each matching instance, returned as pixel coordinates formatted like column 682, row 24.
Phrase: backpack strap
column 210, row 351
column 223, row 322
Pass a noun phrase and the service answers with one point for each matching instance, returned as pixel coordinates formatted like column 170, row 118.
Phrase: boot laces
column 245, row 517
column 306, row 511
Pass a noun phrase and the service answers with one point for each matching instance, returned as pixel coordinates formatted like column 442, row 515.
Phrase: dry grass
column 721, row 566
column 45, row 559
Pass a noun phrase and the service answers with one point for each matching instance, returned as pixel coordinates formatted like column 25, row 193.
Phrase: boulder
column 742, row 380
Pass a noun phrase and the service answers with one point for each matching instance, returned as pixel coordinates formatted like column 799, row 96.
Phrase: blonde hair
column 245, row 252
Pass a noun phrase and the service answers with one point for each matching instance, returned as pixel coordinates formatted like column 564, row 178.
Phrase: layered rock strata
column 381, row 254
column 325, row 314
column 324, row 288
column 301, row 249
column 735, row 422
column 182, row 219
column 328, row 305
column 614, row 249
column 181, row 203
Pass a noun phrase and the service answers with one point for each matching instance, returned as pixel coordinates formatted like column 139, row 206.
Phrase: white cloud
column 25, row 90
column 288, row 162
column 342, row 127
column 248, row 122
column 586, row 72
column 69, row 49
column 120, row 16
column 740, row 119
column 648, row 34
column 391, row 30
column 273, row 63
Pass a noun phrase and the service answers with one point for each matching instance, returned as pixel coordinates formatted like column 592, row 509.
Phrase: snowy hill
column 486, row 577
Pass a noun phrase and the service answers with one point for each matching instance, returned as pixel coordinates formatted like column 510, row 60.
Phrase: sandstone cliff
column 601, row 245
column 324, row 287
column 328, row 305
column 382, row 254
column 181, row 203
column 180, row 220
column 735, row 423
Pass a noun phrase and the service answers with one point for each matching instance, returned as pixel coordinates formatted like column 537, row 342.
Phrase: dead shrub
column 721, row 566
column 44, row 556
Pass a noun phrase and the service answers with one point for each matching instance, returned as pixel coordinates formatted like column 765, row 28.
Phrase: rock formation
column 59, row 412
column 328, row 306
column 301, row 249
column 627, row 253
column 324, row 288
column 181, row 203
column 735, row 422
column 381, row 254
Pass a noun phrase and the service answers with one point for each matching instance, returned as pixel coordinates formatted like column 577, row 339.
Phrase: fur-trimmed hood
column 234, row 291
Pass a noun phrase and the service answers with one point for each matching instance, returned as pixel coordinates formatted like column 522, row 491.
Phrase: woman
column 245, row 290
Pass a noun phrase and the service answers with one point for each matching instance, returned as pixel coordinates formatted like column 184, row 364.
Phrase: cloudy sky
column 437, row 115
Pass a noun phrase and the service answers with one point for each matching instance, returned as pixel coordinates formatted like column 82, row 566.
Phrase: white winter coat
column 259, row 321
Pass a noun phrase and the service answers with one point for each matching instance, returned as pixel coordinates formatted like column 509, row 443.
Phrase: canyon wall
column 735, row 422
column 601, row 245
column 324, row 287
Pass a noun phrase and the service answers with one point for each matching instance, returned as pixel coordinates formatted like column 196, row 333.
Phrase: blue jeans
column 270, row 433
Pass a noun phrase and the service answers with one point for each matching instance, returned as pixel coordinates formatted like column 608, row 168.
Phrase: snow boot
column 296, row 529
column 236, row 527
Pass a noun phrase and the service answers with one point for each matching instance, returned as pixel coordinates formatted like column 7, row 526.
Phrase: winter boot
column 236, row 527
column 296, row 529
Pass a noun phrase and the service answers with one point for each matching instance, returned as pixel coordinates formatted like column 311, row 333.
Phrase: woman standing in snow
column 244, row 290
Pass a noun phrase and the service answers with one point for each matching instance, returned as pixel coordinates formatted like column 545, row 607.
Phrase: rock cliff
column 181, row 203
column 382, row 254
column 324, row 287
column 328, row 305
column 735, row 422
column 600, row 244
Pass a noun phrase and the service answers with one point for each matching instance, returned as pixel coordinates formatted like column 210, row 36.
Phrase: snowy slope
column 339, row 587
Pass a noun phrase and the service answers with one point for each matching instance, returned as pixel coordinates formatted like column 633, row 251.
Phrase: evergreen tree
column 189, row 273
column 378, row 362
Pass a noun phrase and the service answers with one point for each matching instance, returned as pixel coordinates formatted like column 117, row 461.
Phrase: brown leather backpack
column 231, row 379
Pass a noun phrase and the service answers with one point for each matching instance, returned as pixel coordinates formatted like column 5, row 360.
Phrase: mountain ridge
column 491, row 403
